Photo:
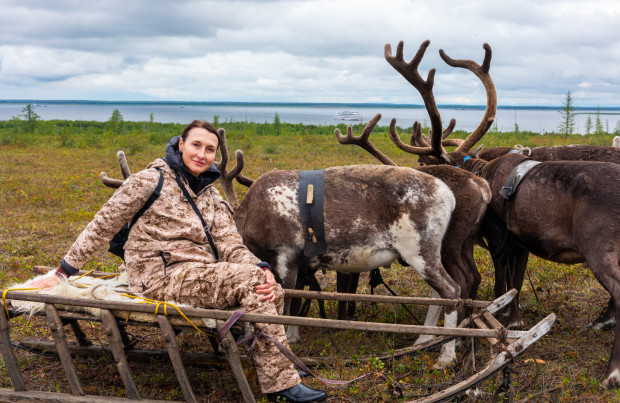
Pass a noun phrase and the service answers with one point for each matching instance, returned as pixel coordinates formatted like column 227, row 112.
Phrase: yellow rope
column 83, row 275
column 165, row 304
column 74, row 280
column 13, row 289
column 110, row 275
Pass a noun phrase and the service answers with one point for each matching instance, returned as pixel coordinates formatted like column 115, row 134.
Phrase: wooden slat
column 258, row 318
column 491, row 320
column 232, row 353
column 388, row 299
column 172, row 346
column 134, row 354
column 116, row 345
column 8, row 395
column 58, row 333
column 8, row 355
column 482, row 325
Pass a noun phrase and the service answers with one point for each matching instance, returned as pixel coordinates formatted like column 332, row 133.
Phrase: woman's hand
column 46, row 283
column 269, row 286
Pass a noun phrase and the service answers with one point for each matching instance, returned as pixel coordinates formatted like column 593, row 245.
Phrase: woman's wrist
column 61, row 273
column 264, row 265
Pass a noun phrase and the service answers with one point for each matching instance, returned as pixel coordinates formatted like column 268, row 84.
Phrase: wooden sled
column 508, row 343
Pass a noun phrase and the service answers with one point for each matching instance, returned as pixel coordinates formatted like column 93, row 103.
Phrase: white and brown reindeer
column 472, row 195
column 563, row 211
column 373, row 215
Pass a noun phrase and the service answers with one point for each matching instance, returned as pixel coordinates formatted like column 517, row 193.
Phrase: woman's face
column 198, row 150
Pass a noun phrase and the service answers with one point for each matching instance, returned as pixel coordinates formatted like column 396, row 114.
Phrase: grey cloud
column 324, row 51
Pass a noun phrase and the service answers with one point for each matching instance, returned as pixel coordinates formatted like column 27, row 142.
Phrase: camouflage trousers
column 227, row 285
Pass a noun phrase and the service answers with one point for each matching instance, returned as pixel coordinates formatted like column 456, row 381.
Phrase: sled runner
column 114, row 316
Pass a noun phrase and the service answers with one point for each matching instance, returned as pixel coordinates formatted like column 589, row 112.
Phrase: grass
column 50, row 189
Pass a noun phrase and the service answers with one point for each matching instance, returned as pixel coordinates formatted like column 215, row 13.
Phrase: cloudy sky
column 307, row 51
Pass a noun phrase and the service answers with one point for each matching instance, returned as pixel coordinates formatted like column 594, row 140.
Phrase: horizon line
column 285, row 104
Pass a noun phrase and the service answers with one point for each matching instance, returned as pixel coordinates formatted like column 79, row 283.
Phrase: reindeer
column 563, row 211
column 373, row 215
column 616, row 142
column 472, row 196
column 508, row 278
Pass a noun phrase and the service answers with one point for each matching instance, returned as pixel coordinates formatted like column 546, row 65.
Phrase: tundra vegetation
column 50, row 189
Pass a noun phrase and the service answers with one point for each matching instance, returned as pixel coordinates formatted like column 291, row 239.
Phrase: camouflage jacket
column 169, row 226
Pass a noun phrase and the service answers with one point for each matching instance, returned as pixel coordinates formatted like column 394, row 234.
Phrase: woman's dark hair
column 203, row 125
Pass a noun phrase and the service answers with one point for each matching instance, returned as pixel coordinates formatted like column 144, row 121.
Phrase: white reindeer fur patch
column 109, row 289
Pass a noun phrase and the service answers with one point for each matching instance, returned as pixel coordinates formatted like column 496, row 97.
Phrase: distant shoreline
column 288, row 104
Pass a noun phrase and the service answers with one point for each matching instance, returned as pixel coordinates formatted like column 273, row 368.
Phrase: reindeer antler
column 362, row 140
column 122, row 160
column 109, row 182
column 116, row 183
column 226, row 178
column 420, row 140
column 482, row 72
column 425, row 88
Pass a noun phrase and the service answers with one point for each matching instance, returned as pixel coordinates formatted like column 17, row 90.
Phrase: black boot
column 299, row 393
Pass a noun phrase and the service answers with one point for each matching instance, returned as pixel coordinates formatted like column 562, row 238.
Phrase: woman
column 168, row 254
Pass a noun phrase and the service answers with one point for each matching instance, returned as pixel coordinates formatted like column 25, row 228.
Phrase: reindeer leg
column 432, row 317
column 444, row 286
column 287, row 268
column 476, row 278
column 346, row 283
column 295, row 303
column 606, row 320
column 342, row 285
column 315, row 286
column 515, row 280
column 604, row 265
column 353, row 284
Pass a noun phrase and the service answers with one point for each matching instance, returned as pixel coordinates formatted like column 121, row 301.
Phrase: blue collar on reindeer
column 464, row 159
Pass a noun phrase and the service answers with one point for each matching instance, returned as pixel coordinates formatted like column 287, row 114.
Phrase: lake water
column 535, row 119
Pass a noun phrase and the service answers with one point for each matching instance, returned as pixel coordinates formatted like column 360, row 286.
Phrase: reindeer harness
column 515, row 177
column 311, row 212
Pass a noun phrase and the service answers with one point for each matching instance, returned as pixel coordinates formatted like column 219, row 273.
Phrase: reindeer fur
column 109, row 289
column 373, row 215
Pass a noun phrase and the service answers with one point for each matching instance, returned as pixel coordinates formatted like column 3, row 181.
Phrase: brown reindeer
column 512, row 276
column 563, row 211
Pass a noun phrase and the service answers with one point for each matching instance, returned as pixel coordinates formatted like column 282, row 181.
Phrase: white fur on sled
column 109, row 289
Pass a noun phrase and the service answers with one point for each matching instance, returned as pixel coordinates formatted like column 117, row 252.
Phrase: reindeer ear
column 476, row 151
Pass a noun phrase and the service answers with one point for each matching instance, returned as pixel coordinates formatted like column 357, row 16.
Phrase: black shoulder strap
column 154, row 195
column 516, row 176
column 311, row 212
column 202, row 220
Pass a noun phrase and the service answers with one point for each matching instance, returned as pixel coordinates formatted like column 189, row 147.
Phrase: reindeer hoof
column 444, row 363
column 518, row 325
column 613, row 380
column 292, row 334
column 447, row 358
column 608, row 324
